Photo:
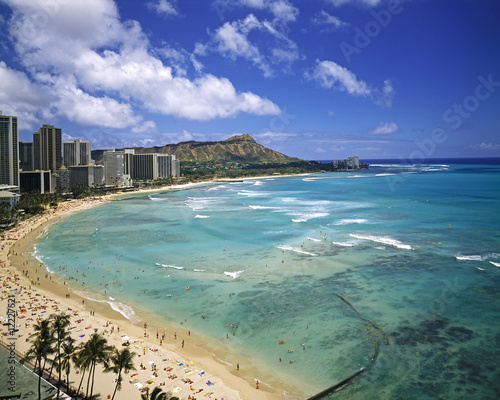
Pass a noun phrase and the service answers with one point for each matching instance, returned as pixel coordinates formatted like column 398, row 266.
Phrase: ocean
column 393, row 271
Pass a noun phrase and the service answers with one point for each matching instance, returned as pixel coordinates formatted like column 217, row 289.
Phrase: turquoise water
column 413, row 248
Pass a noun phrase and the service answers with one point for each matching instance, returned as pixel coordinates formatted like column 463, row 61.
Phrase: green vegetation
column 34, row 203
column 51, row 345
column 197, row 171
column 157, row 394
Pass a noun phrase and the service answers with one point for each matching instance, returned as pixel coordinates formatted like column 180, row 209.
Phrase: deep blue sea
column 395, row 269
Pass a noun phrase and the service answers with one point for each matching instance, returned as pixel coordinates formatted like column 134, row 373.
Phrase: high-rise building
column 168, row 166
column 25, row 156
column 47, row 153
column 62, row 178
column 114, row 167
column 87, row 175
column 176, row 168
column 76, row 152
column 39, row 181
column 145, row 166
column 9, row 151
column 128, row 161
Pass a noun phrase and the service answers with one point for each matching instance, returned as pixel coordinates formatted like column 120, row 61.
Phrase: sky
column 315, row 79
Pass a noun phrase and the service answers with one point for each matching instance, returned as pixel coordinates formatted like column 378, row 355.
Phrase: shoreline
column 24, row 269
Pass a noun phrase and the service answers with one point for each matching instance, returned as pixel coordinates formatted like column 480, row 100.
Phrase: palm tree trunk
column 93, row 377
column 81, row 381
column 88, row 380
column 67, row 383
column 117, row 383
column 59, row 377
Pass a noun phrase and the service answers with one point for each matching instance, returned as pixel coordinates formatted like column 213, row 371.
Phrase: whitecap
column 123, row 309
column 157, row 198
column 234, row 275
column 202, row 216
column 304, row 216
column 314, row 240
column 296, row 250
column 348, row 221
column 251, row 193
column 384, row 240
column 198, row 270
column 344, row 244
column 202, row 203
column 469, row 258
column 171, row 266
column 496, row 264
column 261, row 207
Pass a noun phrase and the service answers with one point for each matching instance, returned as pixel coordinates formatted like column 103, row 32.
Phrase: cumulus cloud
column 163, row 7
column 385, row 128
column 330, row 21
column 232, row 38
column 97, row 70
column 332, row 75
column 282, row 11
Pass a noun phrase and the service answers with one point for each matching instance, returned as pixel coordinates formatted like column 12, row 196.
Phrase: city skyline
column 318, row 80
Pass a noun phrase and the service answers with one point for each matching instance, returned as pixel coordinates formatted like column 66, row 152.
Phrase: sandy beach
column 179, row 365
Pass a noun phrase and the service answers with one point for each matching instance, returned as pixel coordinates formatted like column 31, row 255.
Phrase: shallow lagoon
column 413, row 248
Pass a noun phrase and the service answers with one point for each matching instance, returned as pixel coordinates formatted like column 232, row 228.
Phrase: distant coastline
column 451, row 160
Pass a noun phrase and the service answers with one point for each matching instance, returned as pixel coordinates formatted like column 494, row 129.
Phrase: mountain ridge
column 240, row 148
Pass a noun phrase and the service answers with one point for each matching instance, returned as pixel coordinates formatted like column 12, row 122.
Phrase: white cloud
column 145, row 127
column 283, row 11
column 385, row 128
column 17, row 89
column 185, row 136
column 163, row 7
column 100, row 71
column 332, row 75
column 489, row 146
column 369, row 3
column 331, row 21
column 232, row 38
column 268, row 137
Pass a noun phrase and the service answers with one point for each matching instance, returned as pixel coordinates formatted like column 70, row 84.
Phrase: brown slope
column 242, row 148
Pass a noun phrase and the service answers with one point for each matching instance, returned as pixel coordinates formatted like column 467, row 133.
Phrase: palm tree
column 98, row 351
column 121, row 360
column 157, row 394
column 60, row 334
column 68, row 350
column 83, row 361
column 41, row 348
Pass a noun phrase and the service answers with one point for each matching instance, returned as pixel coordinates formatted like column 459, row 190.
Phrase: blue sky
column 316, row 79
